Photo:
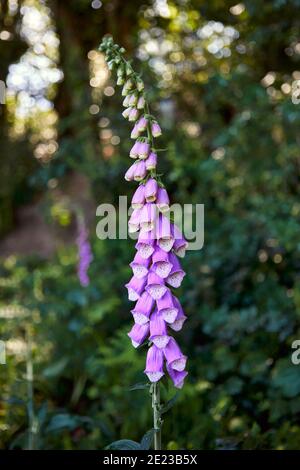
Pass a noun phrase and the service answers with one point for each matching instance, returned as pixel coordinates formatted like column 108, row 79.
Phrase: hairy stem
column 157, row 422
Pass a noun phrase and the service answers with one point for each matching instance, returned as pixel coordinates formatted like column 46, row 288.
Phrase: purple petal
column 142, row 309
column 177, row 377
column 151, row 188
column 155, row 286
column 135, row 287
column 140, row 266
column 174, row 357
column 162, row 200
column 154, row 364
column 158, row 330
column 138, row 198
column 138, row 334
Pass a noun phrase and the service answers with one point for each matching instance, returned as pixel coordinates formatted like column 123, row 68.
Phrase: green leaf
column 124, row 444
column 139, row 386
column 56, row 368
column 169, row 404
column 147, row 439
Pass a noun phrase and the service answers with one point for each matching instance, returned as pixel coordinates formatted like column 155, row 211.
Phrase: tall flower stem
column 157, row 422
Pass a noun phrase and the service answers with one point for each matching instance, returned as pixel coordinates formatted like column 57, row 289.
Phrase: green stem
column 157, row 422
column 30, row 393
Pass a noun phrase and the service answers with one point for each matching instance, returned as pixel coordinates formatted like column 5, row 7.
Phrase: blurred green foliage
column 232, row 143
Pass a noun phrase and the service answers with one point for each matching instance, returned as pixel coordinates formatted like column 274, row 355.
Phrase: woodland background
column 224, row 80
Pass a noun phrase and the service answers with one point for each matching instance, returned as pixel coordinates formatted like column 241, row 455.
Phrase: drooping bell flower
column 180, row 243
column 155, row 129
column 154, row 364
column 141, row 103
column 134, row 221
column 138, row 199
column 165, row 238
column 128, row 85
column 176, row 275
column 140, row 266
column 155, row 286
column 175, row 359
column 126, row 113
column 126, row 101
column 151, row 188
column 151, row 161
column 148, row 216
column 162, row 265
column 144, row 149
column 141, row 125
column 162, row 199
column 134, row 133
column 135, row 287
column 158, row 330
column 177, row 377
column 139, row 171
column 142, row 309
column 134, row 152
column 132, row 100
column 180, row 318
column 145, row 244
column 138, row 334
column 129, row 175
column 133, row 114
column 167, row 307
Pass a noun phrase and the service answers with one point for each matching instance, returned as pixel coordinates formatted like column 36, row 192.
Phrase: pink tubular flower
column 140, row 266
column 135, row 288
column 180, row 318
column 132, row 101
column 142, row 309
column 155, row 129
column 151, row 161
column 134, row 221
column 154, row 364
column 176, row 275
column 175, row 359
column 156, row 270
column 138, row 334
column 138, row 198
column 134, row 152
column 145, row 244
column 166, row 305
column 134, row 133
column 155, row 286
column 129, row 175
column 161, row 263
column 180, row 244
column 165, row 238
column 158, row 330
column 148, row 217
column 177, row 377
column 133, row 114
column 126, row 113
column 151, row 188
column 139, row 171
column 144, row 149
column 141, row 125
column 140, row 103
column 162, row 199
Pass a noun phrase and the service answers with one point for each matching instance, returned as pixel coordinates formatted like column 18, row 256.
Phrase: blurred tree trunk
column 14, row 164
